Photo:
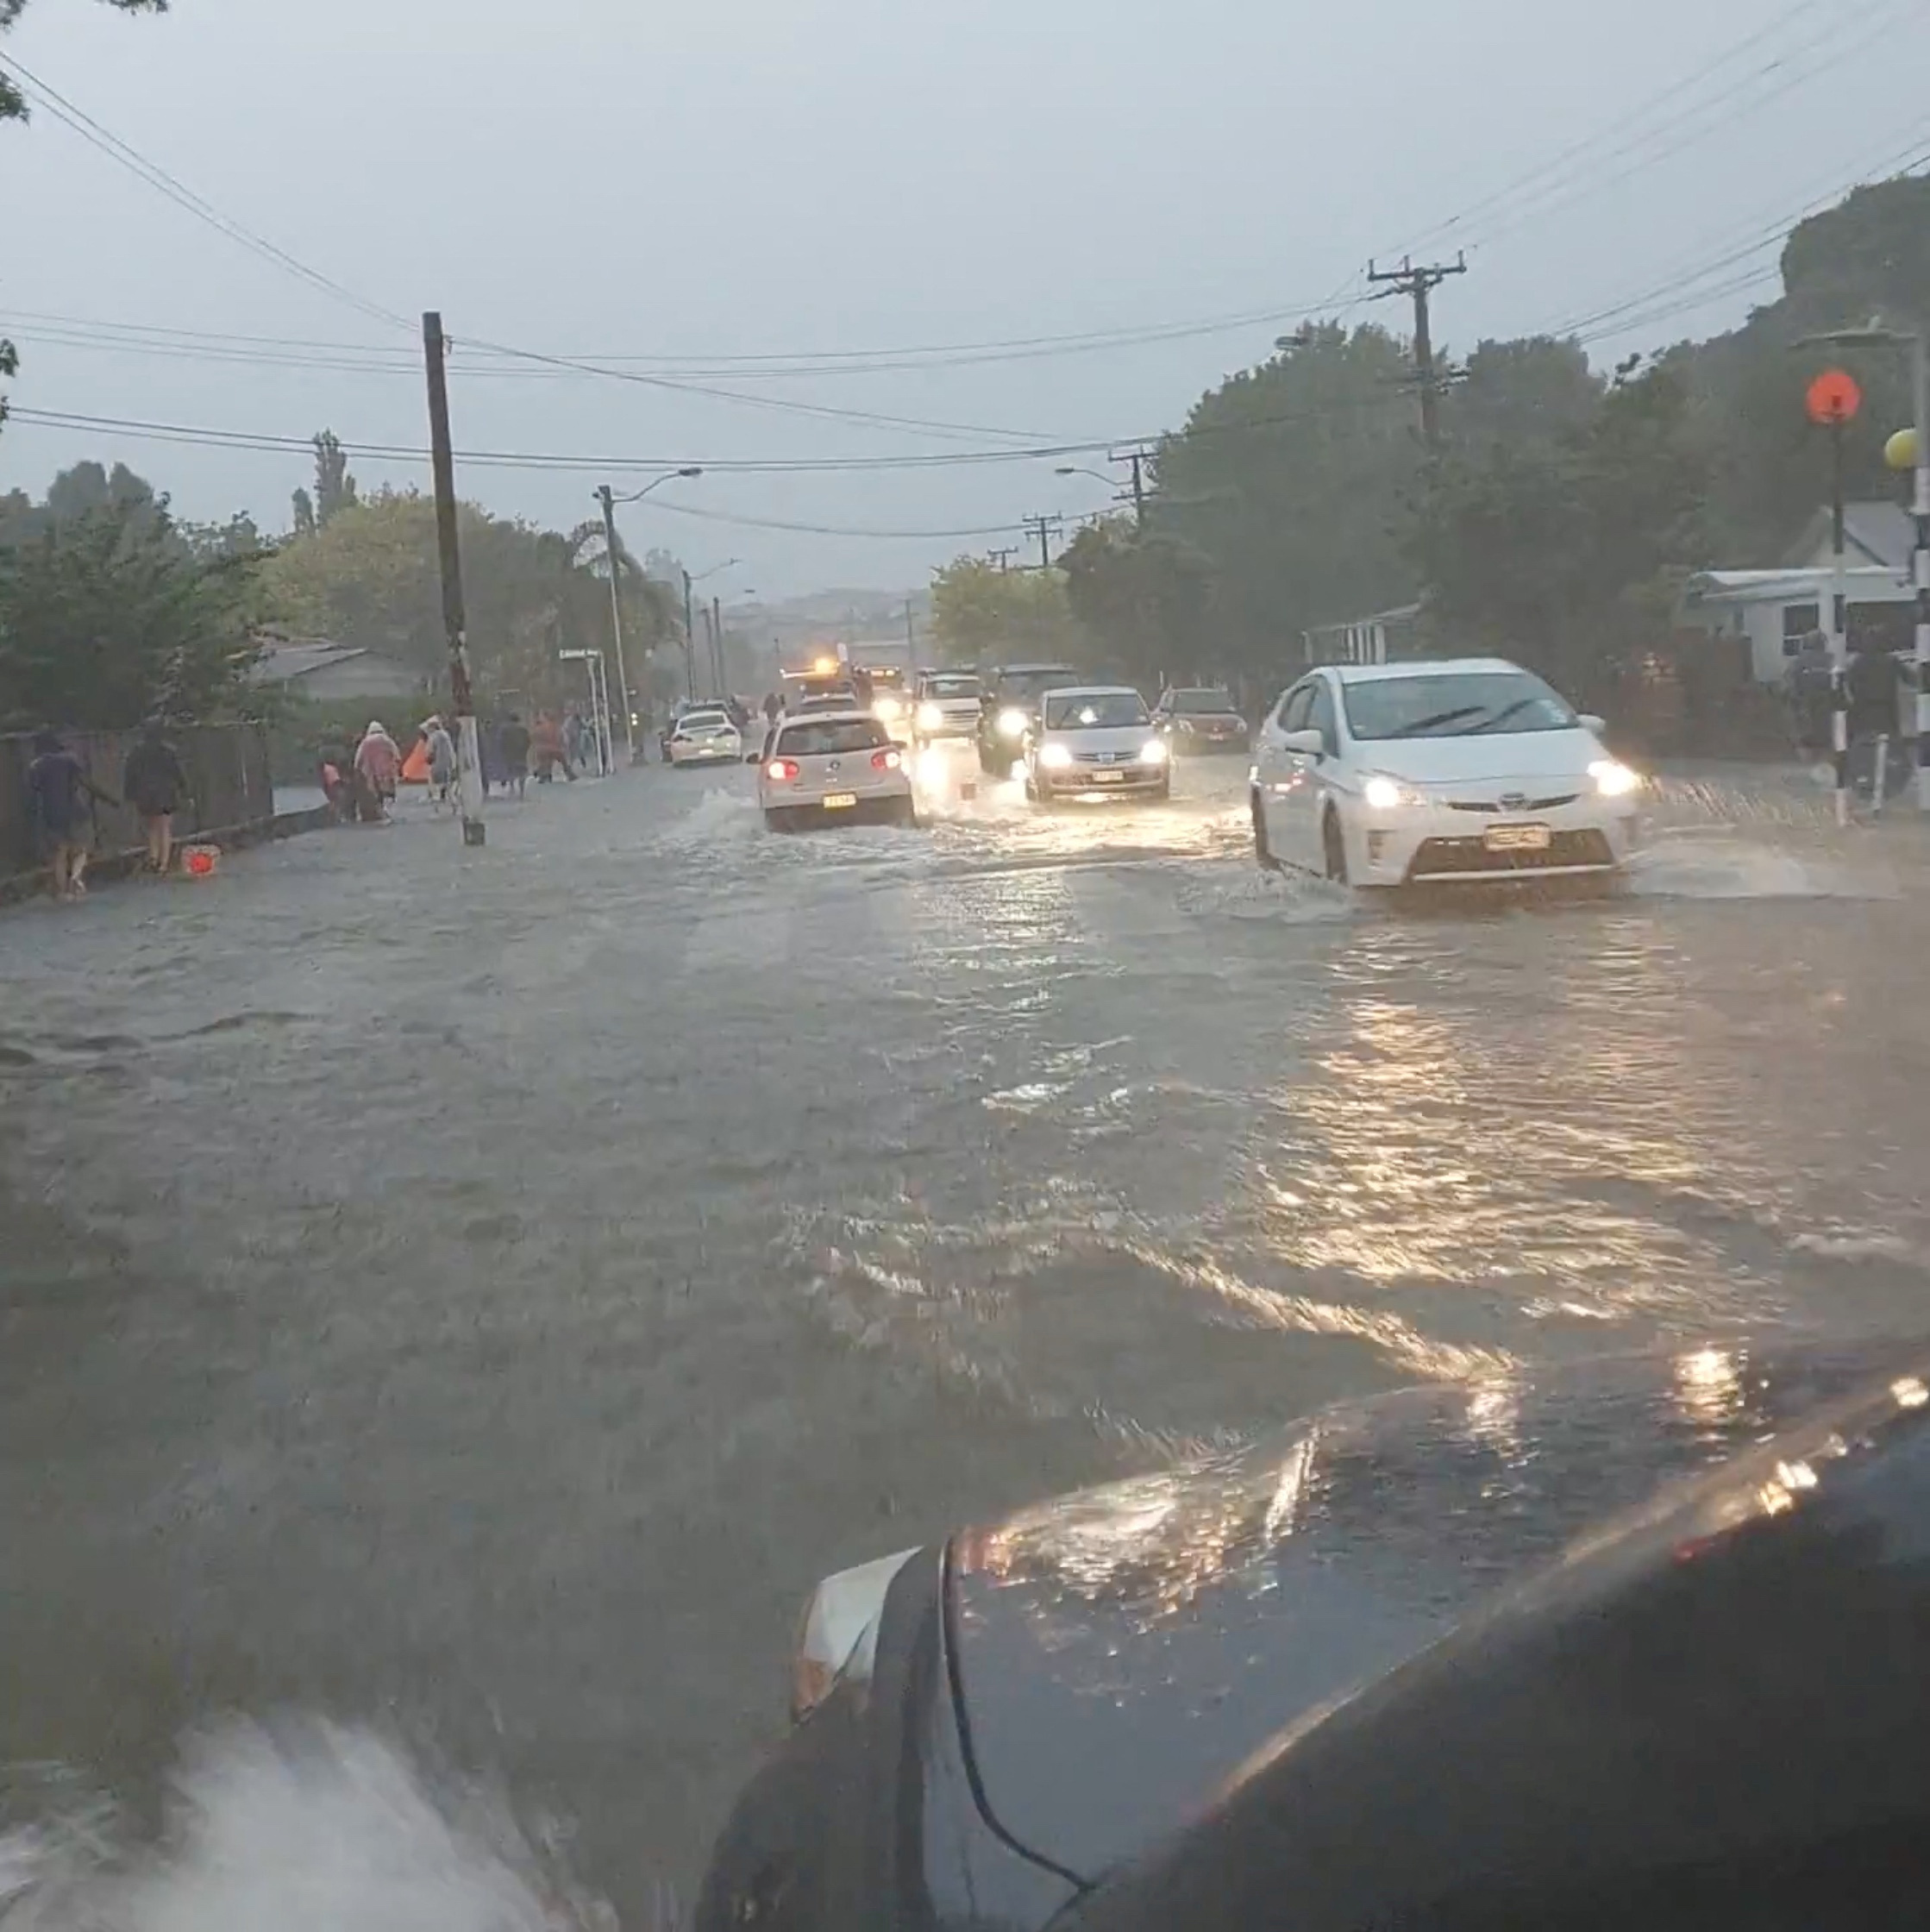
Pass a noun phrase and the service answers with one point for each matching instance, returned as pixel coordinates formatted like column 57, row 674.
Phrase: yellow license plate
column 1109, row 778
column 838, row 801
column 1518, row 838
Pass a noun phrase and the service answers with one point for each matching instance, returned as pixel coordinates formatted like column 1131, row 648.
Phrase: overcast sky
column 704, row 179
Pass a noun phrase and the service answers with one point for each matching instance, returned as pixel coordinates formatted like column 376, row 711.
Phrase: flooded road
column 471, row 1297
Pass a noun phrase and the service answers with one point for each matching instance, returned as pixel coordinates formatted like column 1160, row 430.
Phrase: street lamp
column 610, row 500
column 1080, row 470
column 690, row 626
column 1137, row 489
column 1915, row 457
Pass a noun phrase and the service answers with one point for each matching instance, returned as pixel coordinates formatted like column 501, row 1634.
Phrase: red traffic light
column 1833, row 397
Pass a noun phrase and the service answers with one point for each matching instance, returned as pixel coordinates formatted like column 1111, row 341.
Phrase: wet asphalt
column 477, row 1293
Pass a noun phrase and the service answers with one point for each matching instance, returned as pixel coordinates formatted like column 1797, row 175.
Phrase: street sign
column 1833, row 397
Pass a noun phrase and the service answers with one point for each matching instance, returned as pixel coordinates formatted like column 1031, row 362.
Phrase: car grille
column 1515, row 804
column 1105, row 758
column 1437, row 856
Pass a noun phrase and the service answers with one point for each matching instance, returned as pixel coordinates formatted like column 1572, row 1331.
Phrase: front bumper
column 1436, row 843
column 1085, row 781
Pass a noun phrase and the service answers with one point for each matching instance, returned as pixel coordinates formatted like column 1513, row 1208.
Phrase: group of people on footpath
column 1875, row 695
column 362, row 781
column 61, row 799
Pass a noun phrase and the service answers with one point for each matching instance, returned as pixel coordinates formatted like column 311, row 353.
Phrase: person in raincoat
column 441, row 748
column 378, row 768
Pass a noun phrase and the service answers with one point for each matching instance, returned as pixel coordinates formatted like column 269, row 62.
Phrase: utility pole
column 1045, row 528
column 469, row 784
column 1002, row 558
column 717, row 643
column 910, row 636
column 1138, row 459
column 1418, row 284
column 690, row 642
column 613, row 556
column 1919, row 559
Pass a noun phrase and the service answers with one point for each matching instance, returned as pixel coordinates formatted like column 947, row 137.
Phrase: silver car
column 841, row 766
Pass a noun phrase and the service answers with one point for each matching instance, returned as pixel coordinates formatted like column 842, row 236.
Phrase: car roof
column 829, row 717
column 1418, row 667
column 1094, row 691
column 1004, row 670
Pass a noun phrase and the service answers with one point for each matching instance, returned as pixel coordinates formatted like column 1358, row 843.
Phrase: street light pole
column 1919, row 510
column 613, row 556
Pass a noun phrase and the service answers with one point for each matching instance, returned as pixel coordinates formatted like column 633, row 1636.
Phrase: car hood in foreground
column 1486, row 754
column 1120, row 1653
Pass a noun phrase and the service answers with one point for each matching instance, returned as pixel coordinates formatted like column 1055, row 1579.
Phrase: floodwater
column 454, row 1305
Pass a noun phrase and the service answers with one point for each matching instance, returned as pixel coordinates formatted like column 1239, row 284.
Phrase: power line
column 158, row 177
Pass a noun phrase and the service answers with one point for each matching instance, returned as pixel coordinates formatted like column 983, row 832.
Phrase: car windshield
column 938, row 689
column 832, row 736
column 1097, row 710
column 1022, row 686
column 1193, row 703
column 1453, row 704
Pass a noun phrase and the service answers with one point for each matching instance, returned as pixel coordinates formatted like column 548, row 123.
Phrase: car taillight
column 885, row 761
column 781, row 771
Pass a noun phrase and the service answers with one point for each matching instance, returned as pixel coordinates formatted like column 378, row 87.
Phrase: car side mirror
column 1305, row 745
column 1589, row 722
column 754, row 757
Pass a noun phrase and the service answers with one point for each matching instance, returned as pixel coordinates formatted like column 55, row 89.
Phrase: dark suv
column 1009, row 697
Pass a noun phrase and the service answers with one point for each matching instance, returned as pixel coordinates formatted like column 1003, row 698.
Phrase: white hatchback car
column 837, row 766
column 1456, row 770
column 1095, row 741
column 705, row 737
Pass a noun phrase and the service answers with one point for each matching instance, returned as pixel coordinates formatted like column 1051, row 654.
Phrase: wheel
column 779, row 817
column 1164, row 794
column 1263, row 852
column 1333, row 845
column 906, row 814
column 1031, row 791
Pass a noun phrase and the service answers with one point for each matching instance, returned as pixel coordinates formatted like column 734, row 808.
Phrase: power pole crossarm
column 1418, row 285
column 1045, row 528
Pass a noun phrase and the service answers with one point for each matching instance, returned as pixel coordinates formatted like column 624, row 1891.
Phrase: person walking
column 60, row 797
column 550, row 749
column 378, row 765
column 513, row 743
column 441, row 747
column 154, row 784
column 1808, row 688
column 1873, row 690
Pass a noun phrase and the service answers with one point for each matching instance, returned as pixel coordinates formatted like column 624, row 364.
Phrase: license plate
column 838, row 801
column 1108, row 778
column 1518, row 838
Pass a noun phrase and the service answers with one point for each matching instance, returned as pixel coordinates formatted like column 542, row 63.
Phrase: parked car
column 1202, row 718
column 703, row 737
column 1465, row 769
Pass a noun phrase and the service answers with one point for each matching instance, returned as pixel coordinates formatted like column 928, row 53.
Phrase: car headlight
column 1386, row 794
column 1054, row 755
column 1153, row 752
column 930, row 718
column 1613, row 778
column 888, row 707
column 1012, row 722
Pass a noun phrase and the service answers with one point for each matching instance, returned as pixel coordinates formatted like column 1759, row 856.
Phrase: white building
column 1768, row 613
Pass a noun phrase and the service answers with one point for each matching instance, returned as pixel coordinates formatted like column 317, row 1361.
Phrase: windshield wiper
column 1503, row 716
column 1439, row 718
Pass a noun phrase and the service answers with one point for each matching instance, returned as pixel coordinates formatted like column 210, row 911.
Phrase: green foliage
column 369, row 574
column 980, row 614
column 335, row 488
column 1142, row 596
column 110, row 612
column 1553, row 553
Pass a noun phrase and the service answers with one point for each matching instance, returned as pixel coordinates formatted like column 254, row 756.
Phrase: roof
column 1418, row 667
column 1880, row 532
column 1401, row 613
column 1771, row 587
column 285, row 658
column 1093, row 691
column 828, row 718
column 1003, row 670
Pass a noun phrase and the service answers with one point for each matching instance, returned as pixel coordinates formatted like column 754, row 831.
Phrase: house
column 325, row 673
column 1387, row 636
column 1766, row 614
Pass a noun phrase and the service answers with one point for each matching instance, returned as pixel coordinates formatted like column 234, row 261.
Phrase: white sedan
column 705, row 737
column 843, row 766
column 1456, row 770
column 1095, row 741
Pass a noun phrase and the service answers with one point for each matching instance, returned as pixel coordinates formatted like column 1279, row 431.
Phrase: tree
column 983, row 614
column 303, row 505
column 110, row 614
column 335, row 488
column 1142, row 596
column 1563, row 555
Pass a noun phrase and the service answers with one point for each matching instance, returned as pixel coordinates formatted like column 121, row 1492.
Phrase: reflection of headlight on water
column 1012, row 722
column 888, row 707
column 930, row 718
column 932, row 768
column 1054, row 756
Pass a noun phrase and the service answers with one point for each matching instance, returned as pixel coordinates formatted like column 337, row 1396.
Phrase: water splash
column 302, row 1826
